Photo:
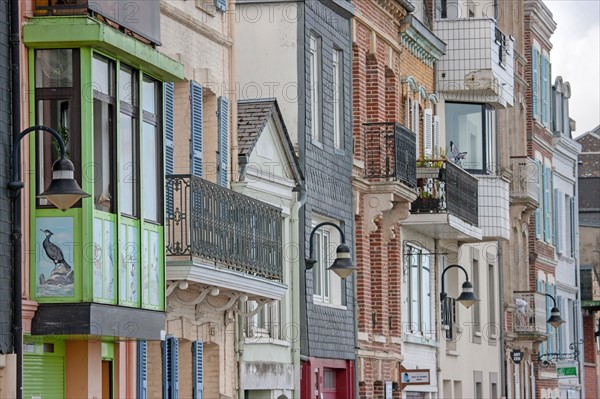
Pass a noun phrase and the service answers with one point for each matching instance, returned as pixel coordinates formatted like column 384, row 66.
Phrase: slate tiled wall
column 327, row 332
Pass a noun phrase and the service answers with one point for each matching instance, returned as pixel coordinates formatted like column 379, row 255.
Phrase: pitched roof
column 253, row 116
column 252, row 119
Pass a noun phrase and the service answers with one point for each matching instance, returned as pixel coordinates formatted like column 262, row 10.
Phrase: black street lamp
column 63, row 192
column 467, row 296
column 555, row 320
column 343, row 265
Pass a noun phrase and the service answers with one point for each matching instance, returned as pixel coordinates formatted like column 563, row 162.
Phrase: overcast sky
column 576, row 57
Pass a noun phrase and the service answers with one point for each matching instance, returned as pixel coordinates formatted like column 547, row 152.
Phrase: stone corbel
column 375, row 206
column 400, row 211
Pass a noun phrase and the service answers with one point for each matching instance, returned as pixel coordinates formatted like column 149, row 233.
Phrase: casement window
column 328, row 287
column 58, row 103
column 338, row 99
column 315, row 88
column 152, row 149
column 129, row 147
column 471, row 128
column 419, row 291
column 264, row 322
column 170, row 367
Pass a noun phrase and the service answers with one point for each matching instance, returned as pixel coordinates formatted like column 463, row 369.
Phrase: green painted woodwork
column 83, row 31
column 43, row 369
column 108, row 350
column 128, row 234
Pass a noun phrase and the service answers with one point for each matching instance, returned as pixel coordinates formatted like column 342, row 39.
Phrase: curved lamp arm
column 310, row 262
column 443, row 293
column 16, row 184
column 553, row 300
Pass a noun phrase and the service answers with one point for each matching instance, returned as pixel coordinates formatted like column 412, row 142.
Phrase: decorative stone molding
column 375, row 206
column 391, row 218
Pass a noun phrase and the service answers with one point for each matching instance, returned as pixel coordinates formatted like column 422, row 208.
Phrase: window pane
column 57, row 115
column 338, row 109
column 414, row 291
column 54, row 68
column 129, row 171
column 426, row 293
column 150, row 173
column 317, row 267
column 326, row 263
column 104, row 161
column 315, row 87
column 103, row 76
column 464, row 127
column 149, row 95
column 127, row 86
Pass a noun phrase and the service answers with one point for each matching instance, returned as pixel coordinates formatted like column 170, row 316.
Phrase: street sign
column 415, row 377
column 566, row 368
column 516, row 356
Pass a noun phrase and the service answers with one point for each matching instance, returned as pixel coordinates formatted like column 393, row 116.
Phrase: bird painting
column 456, row 156
column 62, row 274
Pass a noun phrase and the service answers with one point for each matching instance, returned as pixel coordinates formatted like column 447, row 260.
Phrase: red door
column 329, row 384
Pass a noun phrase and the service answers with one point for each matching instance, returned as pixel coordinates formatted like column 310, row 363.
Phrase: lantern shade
column 343, row 265
column 555, row 320
column 467, row 296
column 63, row 191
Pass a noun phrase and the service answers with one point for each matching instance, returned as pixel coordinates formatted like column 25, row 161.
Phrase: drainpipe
column 295, row 265
column 15, row 56
column 501, row 312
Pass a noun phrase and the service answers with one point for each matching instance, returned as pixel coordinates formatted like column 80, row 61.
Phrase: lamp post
column 63, row 192
column 467, row 298
column 555, row 320
column 343, row 265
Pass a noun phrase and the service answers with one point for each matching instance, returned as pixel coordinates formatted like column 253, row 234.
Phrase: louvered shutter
column 142, row 370
column 549, row 328
column 415, row 125
column 198, row 369
column 534, row 82
column 174, row 352
column 436, row 135
column 544, row 89
column 555, row 232
column 169, row 143
column 561, row 338
column 560, row 218
column 428, row 132
column 547, row 209
column 196, row 128
column 223, row 113
column 221, row 5
column 572, row 227
column 538, row 210
column 166, row 366
column 541, row 289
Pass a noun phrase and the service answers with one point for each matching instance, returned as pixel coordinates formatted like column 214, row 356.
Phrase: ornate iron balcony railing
column 447, row 189
column 214, row 223
column 390, row 152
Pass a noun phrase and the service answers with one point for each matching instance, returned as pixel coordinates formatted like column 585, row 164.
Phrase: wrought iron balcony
column 390, row 152
column 525, row 181
column 448, row 189
column 530, row 318
column 215, row 224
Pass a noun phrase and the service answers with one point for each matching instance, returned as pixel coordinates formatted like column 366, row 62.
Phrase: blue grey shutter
column 544, row 88
column 142, row 370
column 559, row 221
column 174, row 352
column 166, row 367
column 169, row 143
column 549, row 328
column 221, row 5
column 573, row 225
column 555, row 232
column 198, row 369
column 547, row 210
column 538, row 211
column 223, row 168
column 534, row 82
column 540, row 289
column 196, row 128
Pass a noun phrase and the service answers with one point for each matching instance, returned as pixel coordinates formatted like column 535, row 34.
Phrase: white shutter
column 408, row 109
column 415, row 126
column 436, row 135
column 428, row 132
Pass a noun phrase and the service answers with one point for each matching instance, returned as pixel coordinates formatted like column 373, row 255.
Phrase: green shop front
column 97, row 271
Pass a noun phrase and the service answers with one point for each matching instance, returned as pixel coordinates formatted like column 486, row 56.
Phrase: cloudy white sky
column 576, row 57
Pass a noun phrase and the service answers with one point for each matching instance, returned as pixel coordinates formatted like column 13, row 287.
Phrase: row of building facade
column 213, row 137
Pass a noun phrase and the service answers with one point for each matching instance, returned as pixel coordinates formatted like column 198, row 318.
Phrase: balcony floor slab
column 443, row 226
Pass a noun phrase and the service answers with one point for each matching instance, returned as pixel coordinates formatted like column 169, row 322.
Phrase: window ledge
column 265, row 340
column 420, row 340
column 329, row 305
column 452, row 352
